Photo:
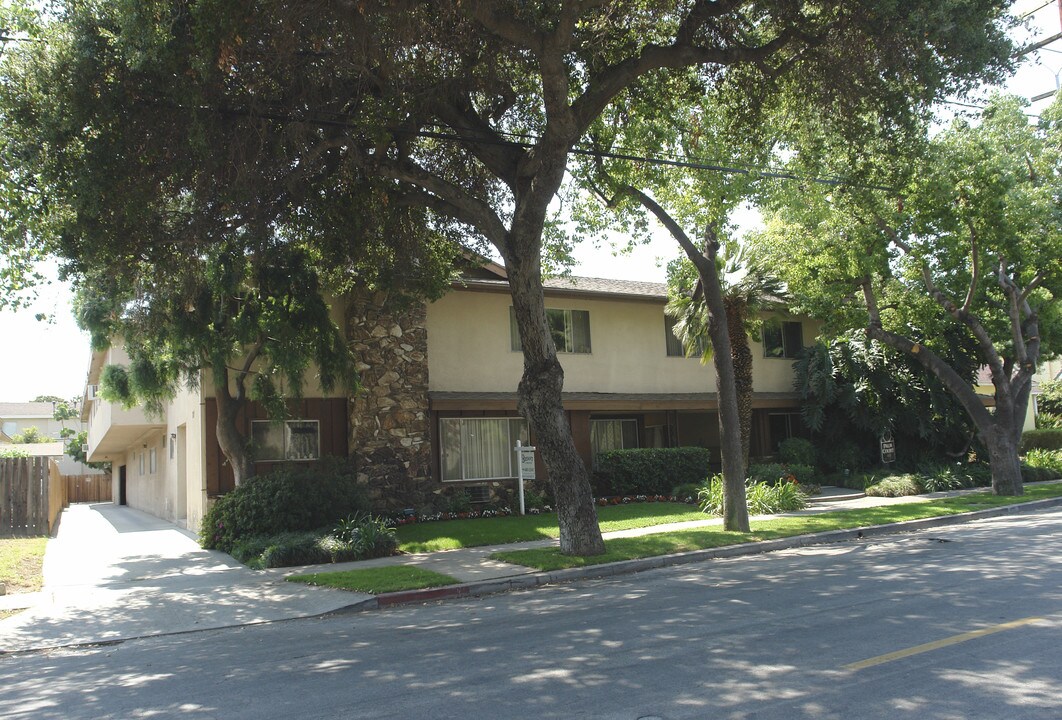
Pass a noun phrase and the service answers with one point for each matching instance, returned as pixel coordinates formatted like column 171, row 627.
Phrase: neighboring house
column 987, row 391
column 438, row 406
column 17, row 417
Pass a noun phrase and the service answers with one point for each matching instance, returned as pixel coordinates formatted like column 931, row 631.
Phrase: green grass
column 378, row 580
column 451, row 534
column 21, row 561
column 712, row 537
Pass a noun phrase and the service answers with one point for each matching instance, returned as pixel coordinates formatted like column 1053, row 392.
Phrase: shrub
column 774, row 473
column 797, row 451
column 356, row 537
column 896, row 486
column 1047, row 439
column 710, row 496
column 460, row 502
column 1038, row 474
column 1044, row 459
column 13, row 452
column 1049, row 421
column 941, row 477
column 294, row 498
column 650, row 471
column 762, row 498
column 1050, row 397
column 842, row 456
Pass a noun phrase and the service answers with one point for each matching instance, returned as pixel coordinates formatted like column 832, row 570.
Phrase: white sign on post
column 527, row 463
column 526, row 459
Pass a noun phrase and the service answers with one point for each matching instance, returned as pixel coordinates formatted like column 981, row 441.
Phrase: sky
column 52, row 358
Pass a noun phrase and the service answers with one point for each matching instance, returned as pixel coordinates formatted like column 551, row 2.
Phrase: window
column 782, row 426
column 289, row 440
column 674, row 345
column 570, row 330
column 612, row 435
column 10, row 428
column 480, row 448
column 153, row 461
column 782, row 340
column 141, row 463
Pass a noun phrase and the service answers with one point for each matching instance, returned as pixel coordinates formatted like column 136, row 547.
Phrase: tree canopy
column 463, row 113
column 968, row 240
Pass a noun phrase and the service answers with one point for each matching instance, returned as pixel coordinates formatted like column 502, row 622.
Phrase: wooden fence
column 88, row 488
column 32, row 494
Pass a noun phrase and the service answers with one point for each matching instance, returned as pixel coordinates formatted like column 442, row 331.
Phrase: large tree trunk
column 540, row 402
column 1004, row 461
column 741, row 354
column 1000, row 430
column 231, row 441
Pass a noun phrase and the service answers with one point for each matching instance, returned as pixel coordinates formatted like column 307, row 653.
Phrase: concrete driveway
column 117, row 573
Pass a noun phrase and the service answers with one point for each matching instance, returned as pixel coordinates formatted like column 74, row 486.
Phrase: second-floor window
column 570, row 330
column 782, row 340
column 674, row 345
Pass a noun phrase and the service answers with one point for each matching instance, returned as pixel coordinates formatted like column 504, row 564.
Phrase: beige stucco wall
column 469, row 349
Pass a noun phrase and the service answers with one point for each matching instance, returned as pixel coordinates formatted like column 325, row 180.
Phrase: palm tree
column 747, row 286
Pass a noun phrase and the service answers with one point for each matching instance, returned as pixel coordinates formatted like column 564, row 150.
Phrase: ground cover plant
column 713, row 536
column 378, row 580
column 764, row 498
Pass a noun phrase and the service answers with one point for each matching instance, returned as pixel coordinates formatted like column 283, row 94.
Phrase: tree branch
column 962, row 389
column 984, row 340
column 975, row 269
column 466, row 207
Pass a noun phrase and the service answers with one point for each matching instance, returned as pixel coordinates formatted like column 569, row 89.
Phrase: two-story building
column 437, row 409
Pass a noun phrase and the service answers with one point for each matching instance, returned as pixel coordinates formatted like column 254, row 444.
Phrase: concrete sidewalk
column 114, row 573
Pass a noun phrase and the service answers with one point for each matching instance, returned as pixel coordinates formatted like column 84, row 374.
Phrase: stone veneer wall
column 389, row 426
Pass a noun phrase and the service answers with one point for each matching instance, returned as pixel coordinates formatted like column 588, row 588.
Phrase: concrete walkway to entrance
column 116, row 573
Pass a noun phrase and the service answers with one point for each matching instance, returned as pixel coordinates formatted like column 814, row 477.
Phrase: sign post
column 888, row 448
column 525, row 467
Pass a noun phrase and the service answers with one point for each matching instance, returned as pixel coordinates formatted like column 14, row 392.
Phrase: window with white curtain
column 480, row 448
column 612, row 435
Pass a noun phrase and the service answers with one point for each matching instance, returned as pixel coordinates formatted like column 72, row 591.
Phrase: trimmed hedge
column 294, row 498
column 1043, row 439
column 650, row 471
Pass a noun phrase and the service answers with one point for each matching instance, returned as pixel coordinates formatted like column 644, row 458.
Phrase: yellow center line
column 927, row 647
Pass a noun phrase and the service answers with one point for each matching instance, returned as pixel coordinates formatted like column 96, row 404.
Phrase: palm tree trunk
column 736, row 318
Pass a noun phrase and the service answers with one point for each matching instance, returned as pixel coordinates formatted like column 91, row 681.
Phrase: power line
column 765, row 173
column 1035, row 9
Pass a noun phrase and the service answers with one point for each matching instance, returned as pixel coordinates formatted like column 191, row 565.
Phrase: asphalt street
column 956, row 622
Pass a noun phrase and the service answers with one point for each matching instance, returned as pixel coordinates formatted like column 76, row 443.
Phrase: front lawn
column 452, row 534
column 21, row 563
column 714, row 536
column 389, row 578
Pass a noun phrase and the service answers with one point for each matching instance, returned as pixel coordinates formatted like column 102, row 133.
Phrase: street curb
column 537, row 579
